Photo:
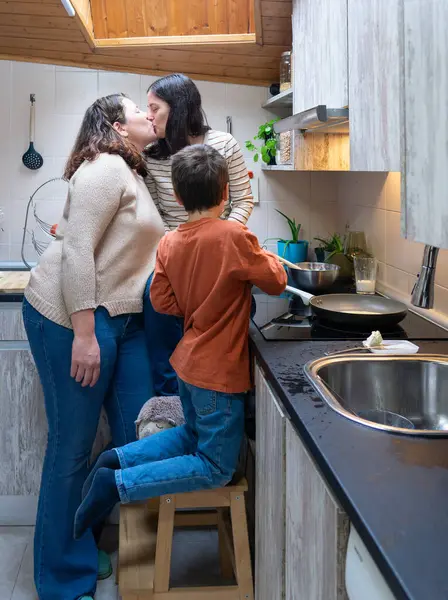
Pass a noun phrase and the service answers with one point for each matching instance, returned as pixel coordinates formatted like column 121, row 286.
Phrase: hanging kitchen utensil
column 32, row 159
column 353, row 310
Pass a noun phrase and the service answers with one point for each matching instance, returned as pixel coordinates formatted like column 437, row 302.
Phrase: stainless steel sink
column 401, row 394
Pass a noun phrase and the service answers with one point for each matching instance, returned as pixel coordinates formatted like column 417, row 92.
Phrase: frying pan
column 353, row 310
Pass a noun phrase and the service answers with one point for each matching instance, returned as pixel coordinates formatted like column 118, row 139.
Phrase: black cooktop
column 285, row 317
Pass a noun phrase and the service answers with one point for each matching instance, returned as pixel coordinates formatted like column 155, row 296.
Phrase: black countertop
column 394, row 488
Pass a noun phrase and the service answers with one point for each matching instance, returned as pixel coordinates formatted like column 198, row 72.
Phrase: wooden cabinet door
column 319, row 29
column 11, row 322
column 23, row 426
column 269, row 495
column 425, row 121
column 374, row 84
column 316, row 530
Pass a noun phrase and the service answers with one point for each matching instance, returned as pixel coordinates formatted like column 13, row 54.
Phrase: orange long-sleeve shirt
column 204, row 273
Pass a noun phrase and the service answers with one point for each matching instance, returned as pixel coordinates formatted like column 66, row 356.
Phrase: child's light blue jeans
column 201, row 454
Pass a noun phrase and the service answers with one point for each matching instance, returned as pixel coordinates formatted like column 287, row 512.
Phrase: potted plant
column 294, row 250
column 268, row 149
column 331, row 250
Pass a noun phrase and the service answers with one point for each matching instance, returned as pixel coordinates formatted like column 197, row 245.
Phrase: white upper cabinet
column 425, row 121
column 374, row 84
column 320, row 53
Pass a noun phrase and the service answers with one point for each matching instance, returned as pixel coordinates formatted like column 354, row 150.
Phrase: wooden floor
column 195, row 562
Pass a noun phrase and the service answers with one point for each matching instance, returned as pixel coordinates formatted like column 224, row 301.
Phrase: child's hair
column 200, row 176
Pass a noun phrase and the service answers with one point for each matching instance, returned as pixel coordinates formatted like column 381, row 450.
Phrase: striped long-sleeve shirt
column 240, row 203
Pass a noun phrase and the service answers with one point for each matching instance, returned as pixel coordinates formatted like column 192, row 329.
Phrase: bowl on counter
column 314, row 276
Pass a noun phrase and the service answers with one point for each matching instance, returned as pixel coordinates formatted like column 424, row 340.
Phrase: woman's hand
column 85, row 360
column 86, row 355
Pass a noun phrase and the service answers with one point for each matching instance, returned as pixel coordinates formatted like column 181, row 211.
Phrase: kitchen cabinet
column 23, row 423
column 11, row 322
column 269, row 495
column 317, row 529
column 319, row 53
column 23, row 427
column 374, row 84
column 424, row 96
column 301, row 532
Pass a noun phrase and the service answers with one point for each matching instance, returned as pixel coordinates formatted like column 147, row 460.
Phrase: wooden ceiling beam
column 93, row 61
column 83, row 17
column 173, row 40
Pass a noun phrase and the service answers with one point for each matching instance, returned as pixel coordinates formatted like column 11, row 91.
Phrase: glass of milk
column 365, row 274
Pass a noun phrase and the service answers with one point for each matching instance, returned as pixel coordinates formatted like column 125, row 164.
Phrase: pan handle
column 306, row 297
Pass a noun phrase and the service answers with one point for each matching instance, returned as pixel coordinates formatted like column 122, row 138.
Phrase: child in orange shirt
column 204, row 273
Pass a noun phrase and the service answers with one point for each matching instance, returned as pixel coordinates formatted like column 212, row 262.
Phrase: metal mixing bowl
column 313, row 276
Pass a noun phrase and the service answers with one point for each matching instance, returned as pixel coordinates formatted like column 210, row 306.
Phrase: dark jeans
column 64, row 568
column 163, row 333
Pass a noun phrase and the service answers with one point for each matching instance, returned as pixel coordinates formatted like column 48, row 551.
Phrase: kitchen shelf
column 282, row 100
column 265, row 167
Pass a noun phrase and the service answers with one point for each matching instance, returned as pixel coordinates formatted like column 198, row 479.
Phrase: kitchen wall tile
column 324, row 187
column 441, row 299
column 442, row 268
column 401, row 253
column 24, row 181
column 398, row 280
column 323, row 216
column 115, row 83
column 214, row 97
column 67, row 127
column 145, row 82
column 373, row 222
column 258, row 223
column 363, row 189
column 217, row 121
column 393, row 192
column 4, row 251
column 241, row 97
column 75, row 91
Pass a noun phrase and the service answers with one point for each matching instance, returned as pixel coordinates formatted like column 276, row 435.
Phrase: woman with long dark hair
column 175, row 109
column 82, row 314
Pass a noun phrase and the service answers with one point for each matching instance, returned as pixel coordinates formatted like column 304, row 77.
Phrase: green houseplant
column 268, row 149
column 294, row 250
column 331, row 250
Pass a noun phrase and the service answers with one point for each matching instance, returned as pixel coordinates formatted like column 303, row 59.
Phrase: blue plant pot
column 294, row 251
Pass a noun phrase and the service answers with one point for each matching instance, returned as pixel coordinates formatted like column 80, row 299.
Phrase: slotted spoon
column 32, row 159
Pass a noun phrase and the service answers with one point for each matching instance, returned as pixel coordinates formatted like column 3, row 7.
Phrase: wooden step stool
column 146, row 536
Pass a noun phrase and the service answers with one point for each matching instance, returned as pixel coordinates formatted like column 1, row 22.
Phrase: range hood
column 319, row 119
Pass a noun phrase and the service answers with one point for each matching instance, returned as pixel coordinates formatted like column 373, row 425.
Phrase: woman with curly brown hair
column 82, row 314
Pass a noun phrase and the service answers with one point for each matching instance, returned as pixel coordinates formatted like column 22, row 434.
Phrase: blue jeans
column 201, row 454
column 65, row 569
column 163, row 333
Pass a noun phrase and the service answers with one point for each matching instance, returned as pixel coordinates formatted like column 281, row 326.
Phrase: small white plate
column 396, row 347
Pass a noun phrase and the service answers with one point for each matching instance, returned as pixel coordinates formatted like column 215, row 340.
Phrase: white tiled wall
column 63, row 94
column 371, row 202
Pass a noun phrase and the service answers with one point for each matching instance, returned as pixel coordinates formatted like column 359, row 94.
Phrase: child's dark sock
column 108, row 460
column 100, row 500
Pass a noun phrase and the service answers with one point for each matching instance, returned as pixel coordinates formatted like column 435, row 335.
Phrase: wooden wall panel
column 145, row 18
column 41, row 31
column 32, row 8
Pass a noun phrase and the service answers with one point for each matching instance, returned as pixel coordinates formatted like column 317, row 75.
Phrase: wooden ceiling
column 41, row 31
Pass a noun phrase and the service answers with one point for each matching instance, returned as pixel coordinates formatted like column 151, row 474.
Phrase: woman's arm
column 240, row 192
column 94, row 198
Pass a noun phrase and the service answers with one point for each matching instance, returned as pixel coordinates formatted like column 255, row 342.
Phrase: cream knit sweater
column 105, row 247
